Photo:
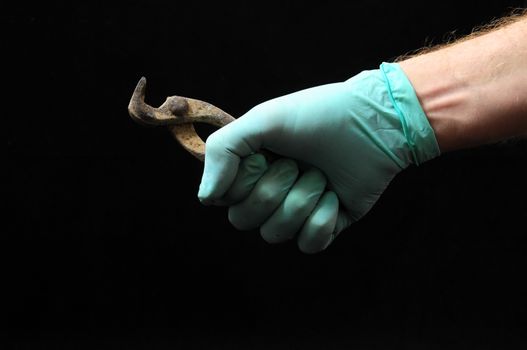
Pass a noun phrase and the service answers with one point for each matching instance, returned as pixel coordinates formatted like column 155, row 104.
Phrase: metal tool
column 178, row 113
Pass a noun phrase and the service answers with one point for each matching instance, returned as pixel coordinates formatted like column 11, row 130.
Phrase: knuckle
column 214, row 139
column 266, row 195
column 319, row 223
column 255, row 163
column 317, row 240
column 296, row 204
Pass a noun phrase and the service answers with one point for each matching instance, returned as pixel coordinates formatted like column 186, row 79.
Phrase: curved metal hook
column 178, row 113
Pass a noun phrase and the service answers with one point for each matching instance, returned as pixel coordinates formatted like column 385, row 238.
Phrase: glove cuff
column 417, row 130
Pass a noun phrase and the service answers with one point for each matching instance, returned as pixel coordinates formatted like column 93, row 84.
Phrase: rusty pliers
column 179, row 114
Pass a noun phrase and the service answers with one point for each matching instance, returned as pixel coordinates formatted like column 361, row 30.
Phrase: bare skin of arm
column 474, row 91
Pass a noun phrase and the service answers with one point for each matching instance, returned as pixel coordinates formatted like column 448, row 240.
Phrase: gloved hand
column 352, row 138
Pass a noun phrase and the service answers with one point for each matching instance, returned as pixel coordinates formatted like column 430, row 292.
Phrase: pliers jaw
column 169, row 113
column 178, row 113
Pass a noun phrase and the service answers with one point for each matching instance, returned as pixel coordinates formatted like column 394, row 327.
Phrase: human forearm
column 475, row 91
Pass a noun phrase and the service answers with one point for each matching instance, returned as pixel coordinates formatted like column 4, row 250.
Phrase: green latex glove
column 351, row 138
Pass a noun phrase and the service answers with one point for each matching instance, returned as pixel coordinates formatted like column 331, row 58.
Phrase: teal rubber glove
column 351, row 139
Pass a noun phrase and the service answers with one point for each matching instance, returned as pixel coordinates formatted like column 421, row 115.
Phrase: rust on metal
column 178, row 113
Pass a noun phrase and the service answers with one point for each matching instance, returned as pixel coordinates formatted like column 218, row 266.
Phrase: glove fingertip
column 212, row 188
column 205, row 192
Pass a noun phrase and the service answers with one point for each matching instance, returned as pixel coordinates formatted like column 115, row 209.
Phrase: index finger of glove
column 225, row 147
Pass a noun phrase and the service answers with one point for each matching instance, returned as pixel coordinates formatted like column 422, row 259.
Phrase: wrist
column 474, row 92
column 418, row 133
column 443, row 99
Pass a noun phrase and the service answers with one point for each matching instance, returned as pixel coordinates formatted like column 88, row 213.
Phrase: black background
column 108, row 246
